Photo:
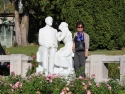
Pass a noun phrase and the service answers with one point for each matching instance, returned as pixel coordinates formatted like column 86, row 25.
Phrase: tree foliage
column 104, row 20
column 42, row 8
column 6, row 6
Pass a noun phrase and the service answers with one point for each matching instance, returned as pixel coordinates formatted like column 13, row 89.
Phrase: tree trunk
column 17, row 25
column 21, row 31
column 24, row 30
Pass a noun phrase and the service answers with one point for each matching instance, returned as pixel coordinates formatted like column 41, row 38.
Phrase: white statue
column 48, row 46
column 63, row 57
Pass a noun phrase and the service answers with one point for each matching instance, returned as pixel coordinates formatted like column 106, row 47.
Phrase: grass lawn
column 107, row 52
column 33, row 50
column 23, row 50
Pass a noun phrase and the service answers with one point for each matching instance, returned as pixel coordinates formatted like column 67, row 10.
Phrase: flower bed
column 53, row 84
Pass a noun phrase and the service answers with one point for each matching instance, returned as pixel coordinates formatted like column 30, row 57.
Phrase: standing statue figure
column 48, row 46
column 63, row 57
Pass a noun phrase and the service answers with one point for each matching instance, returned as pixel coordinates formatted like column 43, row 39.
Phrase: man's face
column 80, row 28
column 49, row 21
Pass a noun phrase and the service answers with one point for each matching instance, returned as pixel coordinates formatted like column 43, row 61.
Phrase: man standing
column 48, row 46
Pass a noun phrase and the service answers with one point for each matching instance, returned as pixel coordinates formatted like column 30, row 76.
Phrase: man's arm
column 61, row 35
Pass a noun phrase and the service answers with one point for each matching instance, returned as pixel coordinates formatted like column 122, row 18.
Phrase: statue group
column 49, row 58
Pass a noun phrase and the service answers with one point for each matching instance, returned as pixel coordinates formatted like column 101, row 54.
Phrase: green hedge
column 104, row 21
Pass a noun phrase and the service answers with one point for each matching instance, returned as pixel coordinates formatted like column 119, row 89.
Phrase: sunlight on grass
column 23, row 50
column 107, row 52
column 34, row 49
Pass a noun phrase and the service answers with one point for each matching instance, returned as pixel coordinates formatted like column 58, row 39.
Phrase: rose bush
column 53, row 84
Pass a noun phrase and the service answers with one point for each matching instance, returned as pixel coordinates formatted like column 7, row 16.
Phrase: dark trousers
column 79, row 63
column 2, row 52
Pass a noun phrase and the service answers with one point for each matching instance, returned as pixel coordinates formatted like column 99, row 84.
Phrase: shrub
column 53, row 84
column 83, row 85
column 33, row 84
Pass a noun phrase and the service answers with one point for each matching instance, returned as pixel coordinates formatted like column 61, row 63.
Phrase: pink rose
column 88, row 92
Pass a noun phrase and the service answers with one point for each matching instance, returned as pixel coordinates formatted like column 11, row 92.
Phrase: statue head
column 49, row 20
column 63, row 25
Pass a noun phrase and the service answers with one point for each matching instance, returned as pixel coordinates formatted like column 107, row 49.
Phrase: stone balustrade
column 98, row 65
column 19, row 63
column 95, row 64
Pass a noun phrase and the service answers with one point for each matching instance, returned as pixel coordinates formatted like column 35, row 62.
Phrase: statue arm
column 73, row 47
column 61, row 36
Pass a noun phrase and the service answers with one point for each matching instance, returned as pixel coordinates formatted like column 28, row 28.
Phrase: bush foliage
column 53, row 84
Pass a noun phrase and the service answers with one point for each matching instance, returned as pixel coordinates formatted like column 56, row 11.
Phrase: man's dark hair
column 78, row 23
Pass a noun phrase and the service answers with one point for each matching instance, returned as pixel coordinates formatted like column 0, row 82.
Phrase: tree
column 40, row 9
column 21, row 24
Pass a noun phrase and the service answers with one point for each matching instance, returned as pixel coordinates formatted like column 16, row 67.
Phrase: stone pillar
column 26, row 64
column 15, row 64
column 122, row 67
column 97, row 67
column 19, row 64
column 87, row 67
